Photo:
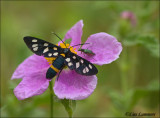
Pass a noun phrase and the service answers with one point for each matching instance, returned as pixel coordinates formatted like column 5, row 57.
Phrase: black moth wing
column 69, row 62
column 80, row 65
column 41, row 47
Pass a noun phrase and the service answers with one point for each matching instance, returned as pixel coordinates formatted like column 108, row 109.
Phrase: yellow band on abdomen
column 55, row 69
column 63, row 55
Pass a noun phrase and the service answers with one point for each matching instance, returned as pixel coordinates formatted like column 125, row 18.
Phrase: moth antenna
column 59, row 38
column 81, row 44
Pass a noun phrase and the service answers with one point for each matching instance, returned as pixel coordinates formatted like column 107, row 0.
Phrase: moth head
column 66, row 50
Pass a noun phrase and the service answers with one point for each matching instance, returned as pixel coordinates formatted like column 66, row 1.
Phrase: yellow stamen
column 62, row 45
column 50, row 59
column 67, row 45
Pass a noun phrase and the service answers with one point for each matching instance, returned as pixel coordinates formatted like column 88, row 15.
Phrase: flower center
column 62, row 45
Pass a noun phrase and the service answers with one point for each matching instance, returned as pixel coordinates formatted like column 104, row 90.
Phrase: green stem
column 134, row 61
column 70, row 106
column 71, row 112
column 124, row 71
column 51, row 97
column 124, row 81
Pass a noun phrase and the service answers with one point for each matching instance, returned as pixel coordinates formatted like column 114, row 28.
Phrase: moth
column 63, row 57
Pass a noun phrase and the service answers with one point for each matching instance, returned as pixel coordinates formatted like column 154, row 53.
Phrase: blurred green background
column 129, row 84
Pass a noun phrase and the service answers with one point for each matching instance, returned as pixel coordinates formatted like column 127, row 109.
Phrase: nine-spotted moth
column 63, row 57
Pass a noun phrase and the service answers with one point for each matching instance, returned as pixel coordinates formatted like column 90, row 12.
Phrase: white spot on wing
column 45, row 50
column 45, row 44
column 90, row 66
column 68, row 59
column 87, row 70
column 74, row 57
column 54, row 48
column 35, row 49
column 34, row 45
column 55, row 54
column 84, row 70
column 77, row 65
column 49, row 54
column 34, row 40
column 82, row 61
column 70, row 64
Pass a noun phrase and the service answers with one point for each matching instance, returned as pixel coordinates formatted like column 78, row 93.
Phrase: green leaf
column 153, row 85
column 117, row 100
column 131, row 40
column 137, row 94
column 69, row 105
column 149, row 42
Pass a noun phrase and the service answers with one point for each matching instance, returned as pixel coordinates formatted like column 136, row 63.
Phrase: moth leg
column 94, row 58
column 83, row 54
column 59, row 74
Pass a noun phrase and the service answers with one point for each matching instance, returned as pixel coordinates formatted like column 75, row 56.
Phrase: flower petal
column 75, row 33
column 31, row 65
column 105, row 47
column 31, row 85
column 71, row 85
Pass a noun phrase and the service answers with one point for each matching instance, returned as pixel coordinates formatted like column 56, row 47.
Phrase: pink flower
column 70, row 85
column 129, row 16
